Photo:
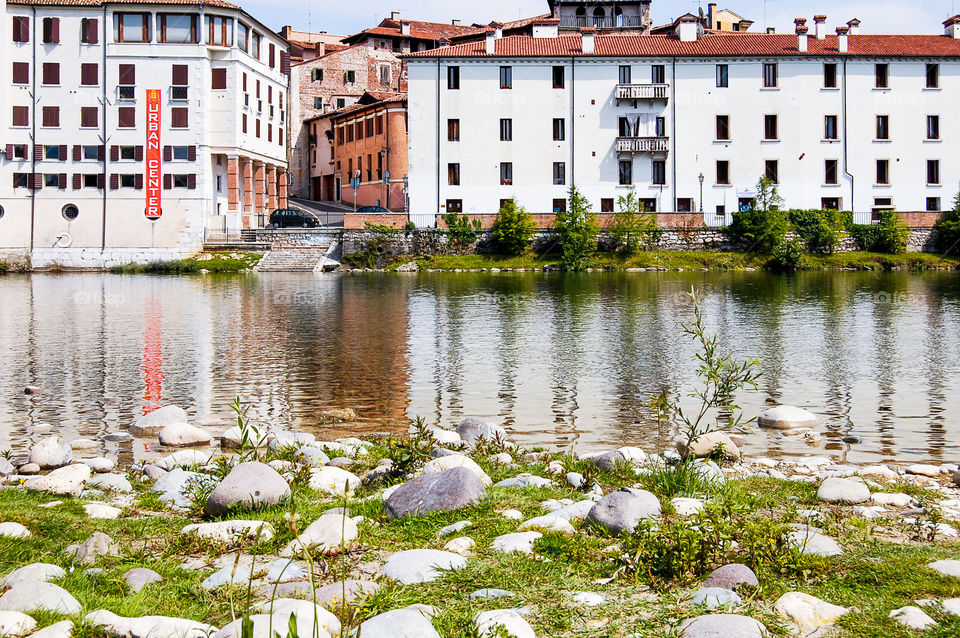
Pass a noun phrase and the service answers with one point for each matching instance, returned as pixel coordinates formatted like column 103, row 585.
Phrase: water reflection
column 560, row 360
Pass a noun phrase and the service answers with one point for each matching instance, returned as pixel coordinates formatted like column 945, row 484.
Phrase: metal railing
column 643, row 144
column 643, row 91
column 604, row 22
column 424, row 220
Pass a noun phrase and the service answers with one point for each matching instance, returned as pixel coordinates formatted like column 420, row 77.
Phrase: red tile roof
column 419, row 30
column 710, row 45
column 100, row 3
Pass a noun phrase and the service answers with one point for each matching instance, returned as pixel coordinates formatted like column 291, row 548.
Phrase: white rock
column 912, row 617
column 333, row 480
column 15, row 623
column 62, row 629
column 158, row 419
column 461, row 545
column 588, row 599
column 232, row 532
column 815, row 544
column 714, row 597
column 633, row 454
column 51, row 452
column 445, row 437
column 787, row 417
column 807, row 612
column 82, row 444
column 843, row 490
column 575, row 511
column 184, row 458
column 946, row 567
column 877, row 470
column 869, row 512
column 687, row 506
column 148, row 626
column 112, row 482
column 897, row 500
column 454, row 528
column 398, row 623
column 14, row 530
column 101, row 464
column 512, row 515
column 100, row 510
column 305, row 611
column 32, row 596
column 550, row 522
column 233, row 438
column 35, row 572
column 456, row 460
column 415, row 566
column 489, row 623
column 924, row 470
column 65, row 481
column 329, row 533
column 183, row 435
column 521, row 542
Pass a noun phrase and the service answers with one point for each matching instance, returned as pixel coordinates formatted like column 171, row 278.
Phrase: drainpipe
column 33, row 133
column 673, row 133
column 573, row 121
column 437, row 209
column 846, row 167
column 103, row 126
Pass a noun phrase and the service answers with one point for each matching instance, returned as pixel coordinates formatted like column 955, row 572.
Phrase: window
column 624, row 129
column 606, row 204
column 52, row 153
column 368, row 125
column 559, row 129
column 882, row 76
column 243, row 121
column 256, row 128
column 21, row 116
column 219, row 31
column 385, row 74
column 684, row 204
column 255, row 45
column 126, row 117
column 243, row 37
column 181, row 181
column 506, row 77
column 559, row 173
column 89, row 31
column 316, row 75
column 453, row 130
column 506, row 173
column 830, row 76
column 770, row 127
column 51, row 73
column 723, row 127
column 51, row 30
column 318, row 103
column 91, row 152
column 179, row 117
column 70, row 212
column 19, row 151
column 89, row 74
column 454, row 205
column 830, row 203
column 21, row 29
column 933, row 76
column 883, row 171
column 933, row 204
column 933, row 171
column 883, row 127
column 933, row 127
column 272, row 55
column 658, row 172
column 51, row 180
column 218, row 79
column 772, row 170
column 453, row 77
column 830, row 174
column 558, row 77
column 625, row 173
column 126, row 89
column 661, row 126
column 128, row 181
column 453, row 174
column 128, row 152
column 379, row 121
column 506, row 130
column 882, row 203
column 559, row 206
column 89, row 117
column 625, row 74
column 830, row 127
column 723, row 172
column 21, row 180
column 658, row 74
column 90, row 180
column 179, row 75
column 51, row 116
column 131, row 27
column 177, row 28
column 341, row 102
column 723, row 76
column 349, row 77
column 21, row 73
column 770, row 75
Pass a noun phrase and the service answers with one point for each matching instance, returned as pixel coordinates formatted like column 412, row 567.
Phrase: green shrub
column 821, row 231
column 948, row 230
column 381, row 229
column 513, row 229
column 576, row 232
column 3, row 267
column 460, row 229
column 764, row 226
column 632, row 226
column 787, row 255
column 889, row 235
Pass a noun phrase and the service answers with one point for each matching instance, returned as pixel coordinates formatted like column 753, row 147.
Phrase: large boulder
column 155, row 421
column 30, row 596
column 732, row 576
column 398, row 623
column 620, row 511
column 331, row 532
column 64, row 481
column 148, row 626
column 183, row 435
column 248, row 486
column 848, row 491
column 456, row 460
column 451, row 489
column 722, row 626
column 50, row 453
column 473, row 430
column 174, row 486
column 415, row 566
column 709, row 443
column 787, row 417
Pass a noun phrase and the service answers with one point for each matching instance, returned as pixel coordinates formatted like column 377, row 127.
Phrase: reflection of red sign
column 153, row 210
column 152, row 357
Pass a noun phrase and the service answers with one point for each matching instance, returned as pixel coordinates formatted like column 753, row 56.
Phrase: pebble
column 622, row 510
column 521, row 542
column 415, row 566
column 333, row 480
column 525, row 480
column 575, row 480
column 331, row 532
column 550, row 522
column 946, row 567
column 140, row 577
column 101, row 511
column 491, row 593
column 118, row 437
column 173, row 485
column 232, row 532
column 29, row 469
column 112, row 482
column 912, row 617
column 461, row 545
column 843, row 491
column 731, row 576
column 331, row 596
column 62, row 629
column 98, row 544
column 50, row 453
column 454, row 528
column 588, row 599
column 807, row 612
column 707, row 444
column 248, row 486
column 687, row 506
column 34, row 572
column 183, row 435
column 512, row 515
column 148, row 626
column 722, row 625
column 446, row 437
column 924, row 470
column 227, row 575
column 184, row 458
column 814, row 544
column 897, row 500
column 82, row 444
column 14, row 530
column 285, row 570
column 312, row 456
column 496, row 621
column 473, row 430
column 398, row 623
column 456, row 460
column 16, row 623
column 158, row 419
column 30, row 596
column 503, row 458
column 713, row 597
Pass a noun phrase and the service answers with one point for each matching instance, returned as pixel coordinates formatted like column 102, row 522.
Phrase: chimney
column 820, row 27
column 499, row 29
column 491, row 42
column 854, row 26
column 689, row 29
column 711, row 13
column 587, row 39
column 546, row 28
column 394, row 15
column 455, row 22
column 771, row 30
column 404, row 28
column 843, row 44
column 952, row 27
column 800, row 22
column 803, row 39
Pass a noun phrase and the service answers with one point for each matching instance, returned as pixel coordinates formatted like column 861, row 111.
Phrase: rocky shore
column 460, row 532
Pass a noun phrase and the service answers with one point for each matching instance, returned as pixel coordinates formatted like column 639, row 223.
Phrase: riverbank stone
column 30, row 596
column 807, row 612
column 913, row 617
column 62, row 629
column 312, row 456
column 814, row 543
column 34, row 572
column 333, row 480
column 398, row 623
column 451, row 461
column 415, row 566
column 102, row 511
column 148, row 626
column 845, row 491
column 184, row 458
column 472, row 430
column 304, row 611
column 12, row 529
column 331, row 532
column 16, row 623
column 707, row 444
column 232, row 532
column 112, row 482
column 51, row 453
column 946, row 567
column 787, row 417
column 452, row 489
column 158, row 419
column 183, row 435
column 732, row 576
column 723, row 626
column 620, row 511
column 491, row 593
column 172, row 487
column 356, row 591
column 521, row 542
column 248, row 486
column 97, row 545
column 525, row 480
column 495, row 621
column 6, row 467
column 138, row 578
column 713, row 597
column 64, row 481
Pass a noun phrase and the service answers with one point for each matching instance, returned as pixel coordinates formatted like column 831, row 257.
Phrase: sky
column 345, row 18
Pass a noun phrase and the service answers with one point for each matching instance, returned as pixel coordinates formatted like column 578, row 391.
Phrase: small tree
column 948, row 229
column 632, row 226
column 513, row 229
column 764, row 226
column 460, row 229
column 576, row 232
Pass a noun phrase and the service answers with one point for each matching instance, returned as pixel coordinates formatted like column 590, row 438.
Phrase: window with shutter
column 21, row 116
column 244, row 123
column 62, row 181
column 89, row 117
column 21, row 29
column 179, row 118
column 51, row 116
column 77, row 153
column 101, row 181
column 192, row 153
column 37, row 179
column 167, row 153
column 192, row 181
column 89, row 74
column 273, row 56
column 138, row 154
column 218, row 80
column 89, row 31
column 51, row 30
column 128, row 75
column 180, row 75
column 114, row 181
column 77, row 181
column 114, row 153
column 51, row 73
column 38, row 152
column 63, row 153
column 167, row 182
column 138, row 182
column 126, row 117
column 21, row 73
column 101, row 152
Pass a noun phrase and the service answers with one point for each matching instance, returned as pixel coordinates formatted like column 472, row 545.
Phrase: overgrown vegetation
column 821, row 231
column 513, row 229
column 215, row 262
column 888, row 235
column 633, row 228
column 460, row 229
column 577, row 230
column 764, row 226
column 382, row 229
column 948, row 230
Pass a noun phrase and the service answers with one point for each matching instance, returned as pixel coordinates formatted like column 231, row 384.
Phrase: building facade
column 114, row 111
column 688, row 121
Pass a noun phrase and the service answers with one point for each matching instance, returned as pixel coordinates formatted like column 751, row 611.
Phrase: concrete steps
column 292, row 259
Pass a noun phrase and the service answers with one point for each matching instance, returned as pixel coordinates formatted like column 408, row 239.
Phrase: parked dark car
column 292, row 218
column 372, row 209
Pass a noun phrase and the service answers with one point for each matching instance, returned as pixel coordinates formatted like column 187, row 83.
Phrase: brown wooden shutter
column 89, row 116
column 101, row 180
column 51, row 30
column 77, row 152
column 101, row 152
column 21, row 116
column 167, row 182
column 218, row 79
column 89, row 74
column 21, row 29
column 128, row 74
column 138, row 181
column 62, row 181
column 192, row 153
column 114, row 181
column 38, row 152
column 138, row 154
column 63, row 152
column 93, row 31
column 179, row 118
column 37, row 181
column 21, row 73
column 180, row 75
column 285, row 62
column 114, row 153
column 167, row 153
column 77, row 181
column 192, row 181
column 126, row 117
column 9, row 152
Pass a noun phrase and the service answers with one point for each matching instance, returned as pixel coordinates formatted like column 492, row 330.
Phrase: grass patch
column 216, row 262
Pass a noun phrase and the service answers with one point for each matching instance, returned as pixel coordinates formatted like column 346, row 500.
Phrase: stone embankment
column 447, row 531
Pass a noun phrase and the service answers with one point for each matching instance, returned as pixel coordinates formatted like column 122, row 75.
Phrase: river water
column 566, row 361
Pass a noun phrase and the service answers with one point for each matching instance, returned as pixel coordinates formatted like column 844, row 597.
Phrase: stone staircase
column 293, row 259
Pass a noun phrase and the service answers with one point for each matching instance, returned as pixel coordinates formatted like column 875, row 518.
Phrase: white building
column 74, row 178
column 850, row 121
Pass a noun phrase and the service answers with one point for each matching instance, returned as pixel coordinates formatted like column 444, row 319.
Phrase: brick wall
column 358, row 221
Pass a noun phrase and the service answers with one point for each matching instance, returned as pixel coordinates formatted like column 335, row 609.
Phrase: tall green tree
column 577, row 230
column 632, row 225
column 513, row 229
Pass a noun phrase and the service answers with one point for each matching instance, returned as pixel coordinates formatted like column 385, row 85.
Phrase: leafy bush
column 513, row 229
column 787, row 255
column 764, row 226
column 820, row 230
column 682, row 479
column 3, row 267
column 633, row 226
column 411, row 452
column 948, row 230
column 577, row 232
column 460, row 229
column 889, row 235
column 381, row 229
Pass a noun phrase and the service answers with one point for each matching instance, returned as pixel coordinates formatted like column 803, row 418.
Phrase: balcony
column 643, row 91
column 643, row 144
column 598, row 22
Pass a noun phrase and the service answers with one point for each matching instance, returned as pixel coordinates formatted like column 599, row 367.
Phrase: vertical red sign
column 153, row 177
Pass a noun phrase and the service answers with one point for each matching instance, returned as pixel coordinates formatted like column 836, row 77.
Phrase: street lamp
column 406, row 194
column 701, row 192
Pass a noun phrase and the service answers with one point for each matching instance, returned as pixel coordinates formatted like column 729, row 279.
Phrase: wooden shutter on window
column 138, row 154
column 192, row 153
column 89, row 33
column 128, row 74
column 101, row 152
column 21, row 73
column 285, row 62
column 21, row 29
column 77, row 152
column 77, row 181
column 167, row 153
column 101, row 180
column 114, row 181
column 180, row 75
column 138, row 181
column 62, row 181
column 37, row 181
column 114, row 153
column 38, row 152
column 218, row 79
column 167, row 182
column 63, row 152
column 51, row 30
column 9, row 152
column 192, row 181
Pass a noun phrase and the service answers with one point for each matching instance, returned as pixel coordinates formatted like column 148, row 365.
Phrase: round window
column 70, row 212
column 1, row 212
